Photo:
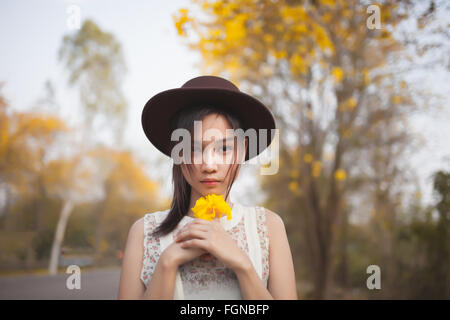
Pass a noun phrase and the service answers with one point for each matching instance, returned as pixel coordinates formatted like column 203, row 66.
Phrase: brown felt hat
column 213, row 90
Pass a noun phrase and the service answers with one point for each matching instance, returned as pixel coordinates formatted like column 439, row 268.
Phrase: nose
column 209, row 160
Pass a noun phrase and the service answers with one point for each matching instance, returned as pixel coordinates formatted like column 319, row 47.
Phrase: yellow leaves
column 348, row 104
column 330, row 3
column 297, row 64
column 257, row 27
column 268, row 38
column 232, row 64
column 366, row 76
column 351, row 102
column 224, row 9
column 346, row 13
column 235, row 28
column 294, row 187
column 327, row 17
column 385, row 34
column 266, row 70
column 4, row 134
column 347, row 133
column 280, row 54
column 308, row 158
column 322, row 39
column 316, row 168
column 338, row 74
column 279, row 27
column 340, row 175
column 385, row 16
column 181, row 20
column 397, row 99
column 294, row 13
column 211, row 206
column 294, row 174
column 46, row 124
column 300, row 28
column 215, row 33
column 28, row 134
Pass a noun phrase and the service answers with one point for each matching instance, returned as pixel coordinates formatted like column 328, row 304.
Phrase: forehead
column 213, row 127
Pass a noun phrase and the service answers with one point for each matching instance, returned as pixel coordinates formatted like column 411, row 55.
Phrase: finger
column 194, row 243
column 191, row 227
column 191, row 233
column 199, row 221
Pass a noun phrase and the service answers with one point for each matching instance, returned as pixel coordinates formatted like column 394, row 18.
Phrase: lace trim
column 151, row 248
column 264, row 241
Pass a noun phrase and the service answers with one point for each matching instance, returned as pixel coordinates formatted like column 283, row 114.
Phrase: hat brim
column 161, row 107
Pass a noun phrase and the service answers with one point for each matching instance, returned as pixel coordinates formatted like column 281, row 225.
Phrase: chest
column 206, row 277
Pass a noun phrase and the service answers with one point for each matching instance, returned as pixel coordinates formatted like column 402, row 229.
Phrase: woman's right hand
column 176, row 255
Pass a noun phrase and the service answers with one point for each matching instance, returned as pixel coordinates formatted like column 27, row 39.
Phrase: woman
column 184, row 257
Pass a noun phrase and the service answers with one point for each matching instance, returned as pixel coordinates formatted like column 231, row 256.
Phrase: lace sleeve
column 151, row 249
column 263, row 240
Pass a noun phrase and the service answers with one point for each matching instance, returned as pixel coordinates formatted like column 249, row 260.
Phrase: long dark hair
column 182, row 190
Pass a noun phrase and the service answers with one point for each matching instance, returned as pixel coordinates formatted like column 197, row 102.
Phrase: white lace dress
column 204, row 279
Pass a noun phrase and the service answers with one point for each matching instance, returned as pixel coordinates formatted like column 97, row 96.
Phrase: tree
column 26, row 139
column 96, row 64
column 331, row 83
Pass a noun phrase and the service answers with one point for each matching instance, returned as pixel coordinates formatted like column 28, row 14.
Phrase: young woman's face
column 214, row 158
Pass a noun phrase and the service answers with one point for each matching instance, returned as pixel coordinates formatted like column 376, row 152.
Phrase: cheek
column 224, row 169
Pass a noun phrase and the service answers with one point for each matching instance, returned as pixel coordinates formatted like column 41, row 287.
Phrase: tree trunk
column 99, row 230
column 8, row 218
column 342, row 271
column 59, row 236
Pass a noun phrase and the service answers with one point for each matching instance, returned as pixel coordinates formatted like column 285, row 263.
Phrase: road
column 94, row 284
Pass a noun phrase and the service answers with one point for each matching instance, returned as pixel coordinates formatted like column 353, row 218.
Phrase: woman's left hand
column 212, row 237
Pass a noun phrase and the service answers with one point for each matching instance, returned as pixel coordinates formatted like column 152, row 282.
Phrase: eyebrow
column 226, row 139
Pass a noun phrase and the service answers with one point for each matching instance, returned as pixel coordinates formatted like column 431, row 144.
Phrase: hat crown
column 203, row 82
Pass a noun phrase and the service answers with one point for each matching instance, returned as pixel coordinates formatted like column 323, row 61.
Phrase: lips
column 210, row 182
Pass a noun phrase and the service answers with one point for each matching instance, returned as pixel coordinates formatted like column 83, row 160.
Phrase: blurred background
column 360, row 92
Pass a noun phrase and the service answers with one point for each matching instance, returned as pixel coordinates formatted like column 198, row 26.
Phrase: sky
column 157, row 59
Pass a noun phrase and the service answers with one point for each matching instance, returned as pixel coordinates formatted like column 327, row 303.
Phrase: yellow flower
column 211, row 206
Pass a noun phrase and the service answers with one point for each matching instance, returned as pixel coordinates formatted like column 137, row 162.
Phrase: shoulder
column 142, row 224
column 274, row 222
column 273, row 218
column 137, row 228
